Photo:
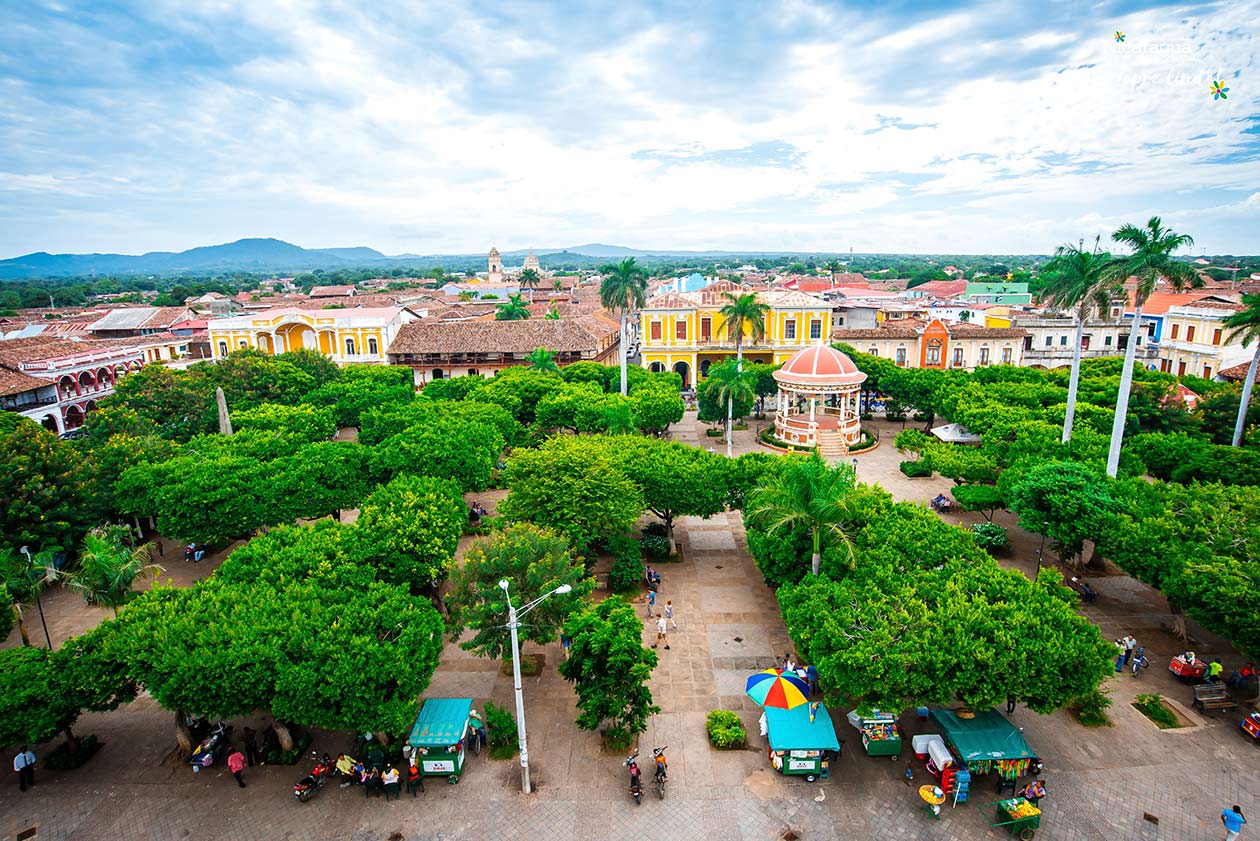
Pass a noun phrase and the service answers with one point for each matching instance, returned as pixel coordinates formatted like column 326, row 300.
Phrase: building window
column 350, row 349
column 984, row 356
column 815, row 328
column 873, row 351
column 244, row 343
column 222, row 348
column 1190, row 333
column 1181, row 369
column 1062, row 341
column 1049, row 341
column 901, row 356
column 934, row 355
column 1175, row 329
column 1006, row 356
column 680, row 331
column 1107, row 341
column 958, row 357
column 789, row 329
column 654, row 331
column 372, row 346
column 706, row 329
column 1207, row 372
column 1216, row 336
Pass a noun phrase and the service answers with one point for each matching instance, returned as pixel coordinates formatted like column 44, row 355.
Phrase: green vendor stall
column 802, row 740
column 985, row 742
column 439, row 736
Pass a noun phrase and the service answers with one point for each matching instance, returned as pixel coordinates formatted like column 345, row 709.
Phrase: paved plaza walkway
column 1129, row 781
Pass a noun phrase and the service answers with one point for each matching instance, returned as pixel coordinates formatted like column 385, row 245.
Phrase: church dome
column 820, row 365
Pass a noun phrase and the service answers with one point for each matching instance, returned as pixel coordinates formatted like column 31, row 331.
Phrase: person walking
column 1233, row 820
column 662, row 632
column 1010, row 704
column 24, row 766
column 236, row 764
column 811, row 675
column 669, row 612
column 650, row 600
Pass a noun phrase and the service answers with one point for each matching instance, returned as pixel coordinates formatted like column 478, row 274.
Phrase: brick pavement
column 1101, row 781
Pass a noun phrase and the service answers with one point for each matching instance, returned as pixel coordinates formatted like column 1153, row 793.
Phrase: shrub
column 276, row 756
column 61, row 759
column 500, row 731
column 990, row 536
column 655, row 527
column 625, row 575
column 655, row 546
column 715, row 432
column 726, row 731
column 1152, row 706
column 1091, row 710
column 916, row 469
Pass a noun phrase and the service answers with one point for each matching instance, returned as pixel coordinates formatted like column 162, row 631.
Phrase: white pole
column 520, row 697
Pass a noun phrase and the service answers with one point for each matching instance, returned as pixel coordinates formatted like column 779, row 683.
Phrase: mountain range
column 273, row 255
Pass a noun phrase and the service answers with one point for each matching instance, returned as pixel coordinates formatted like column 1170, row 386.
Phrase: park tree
column 325, row 478
column 45, row 488
column 303, row 422
column 109, row 569
column 1150, row 262
column 320, row 368
column 517, row 390
column 410, row 528
column 361, row 388
column 22, row 580
column 1066, row 501
column 745, row 319
column 676, row 479
column 250, row 378
column 609, row 669
column 462, row 451
column 624, row 288
column 574, row 486
column 589, row 372
column 725, row 387
column 110, row 457
column 986, row 499
column 533, row 561
column 655, row 407
column 807, row 496
column 172, row 404
column 541, row 359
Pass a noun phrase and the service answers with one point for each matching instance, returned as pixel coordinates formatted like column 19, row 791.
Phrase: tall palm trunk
column 1122, row 399
column 730, row 401
column 624, row 351
column 1074, row 380
column 815, row 560
column 1245, row 403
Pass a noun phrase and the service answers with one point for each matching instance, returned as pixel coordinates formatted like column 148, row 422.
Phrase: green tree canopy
column 410, row 528
column 1066, row 501
column 46, row 494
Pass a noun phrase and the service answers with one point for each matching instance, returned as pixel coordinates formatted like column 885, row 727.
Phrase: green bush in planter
column 625, row 575
column 656, row 527
column 500, row 731
column 655, row 545
column 725, row 729
column 989, row 536
column 916, row 469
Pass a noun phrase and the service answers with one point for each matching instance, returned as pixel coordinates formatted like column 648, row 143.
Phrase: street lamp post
column 514, row 616
column 30, row 565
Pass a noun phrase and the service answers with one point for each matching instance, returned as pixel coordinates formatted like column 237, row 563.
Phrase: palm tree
column 1151, row 259
column 1245, row 324
column 834, row 267
column 108, row 570
column 729, row 384
column 745, row 318
column 514, row 310
column 541, row 359
column 529, row 279
column 557, row 284
column 24, row 579
column 624, row 287
column 553, row 314
column 809, row 494
column 466, row 295
column 1078, row 283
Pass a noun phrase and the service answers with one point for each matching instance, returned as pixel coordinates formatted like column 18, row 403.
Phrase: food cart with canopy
column 802, row 740
column 985, row 742
column 880, row 734
column 437, row 739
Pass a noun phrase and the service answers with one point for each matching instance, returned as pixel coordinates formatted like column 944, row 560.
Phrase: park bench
column 1213, row 696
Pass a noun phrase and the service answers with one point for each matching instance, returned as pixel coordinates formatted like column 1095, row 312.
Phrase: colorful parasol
column 777, row 688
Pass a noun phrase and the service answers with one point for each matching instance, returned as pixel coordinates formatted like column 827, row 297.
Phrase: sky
column 444, row 127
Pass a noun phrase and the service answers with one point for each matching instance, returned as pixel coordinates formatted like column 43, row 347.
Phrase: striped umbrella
column 777, row 688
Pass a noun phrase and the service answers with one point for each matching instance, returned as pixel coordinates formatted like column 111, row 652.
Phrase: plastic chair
column 394, row 789
column 413, row 785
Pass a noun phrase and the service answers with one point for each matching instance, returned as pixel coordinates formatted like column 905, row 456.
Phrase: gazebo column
column 813, row 403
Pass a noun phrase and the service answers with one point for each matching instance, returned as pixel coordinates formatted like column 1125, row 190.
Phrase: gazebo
column 817, row 404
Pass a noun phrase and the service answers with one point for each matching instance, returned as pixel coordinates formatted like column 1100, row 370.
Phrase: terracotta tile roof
column 1237, row 373
column 332, row 291
column 15, row 382
column 585, row 333
column 1214, row 304
column 909, row 328
column 941, row 288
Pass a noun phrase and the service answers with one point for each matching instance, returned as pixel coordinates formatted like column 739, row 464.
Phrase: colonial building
column 684, row 331
column 997, row 292
column 1195, row 339
column 1051, row 336
column 531, row 262
column 437, row 350
column 56, row 383
column 914, row 344
column 129, row 322
column 494, row 273
column 347, row 336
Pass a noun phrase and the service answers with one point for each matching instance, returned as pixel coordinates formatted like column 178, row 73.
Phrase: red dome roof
column 821, row 365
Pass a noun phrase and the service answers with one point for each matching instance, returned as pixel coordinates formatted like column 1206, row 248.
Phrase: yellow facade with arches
column 685, row 332
column 346, row 336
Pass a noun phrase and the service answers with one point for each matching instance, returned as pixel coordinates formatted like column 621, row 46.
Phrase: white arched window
column 222, row 348
column 372, row 346
column 350, row 351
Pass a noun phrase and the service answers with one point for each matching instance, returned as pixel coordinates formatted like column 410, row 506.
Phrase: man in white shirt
column 662, row 635
column 24, row 765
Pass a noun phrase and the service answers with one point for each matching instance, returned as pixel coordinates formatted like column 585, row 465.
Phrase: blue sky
column 440, row 127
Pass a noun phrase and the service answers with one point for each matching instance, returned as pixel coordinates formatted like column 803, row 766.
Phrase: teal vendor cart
column 439, row 737
column 802, row 741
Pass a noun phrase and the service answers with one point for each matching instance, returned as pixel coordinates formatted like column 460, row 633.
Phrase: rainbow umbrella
column 777, row 688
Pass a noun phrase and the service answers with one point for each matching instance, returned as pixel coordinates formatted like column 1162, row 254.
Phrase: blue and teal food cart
column 802, row 740
column 438, row 737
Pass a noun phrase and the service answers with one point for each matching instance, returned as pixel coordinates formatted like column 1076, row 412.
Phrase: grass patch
column 1091, row 711
column 1153, row 707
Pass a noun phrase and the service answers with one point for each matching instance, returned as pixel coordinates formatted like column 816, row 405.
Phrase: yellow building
column 684, row 332
column 1194, row 339
column 359, row 335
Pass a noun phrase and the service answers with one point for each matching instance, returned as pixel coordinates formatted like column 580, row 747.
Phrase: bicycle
column 1139, row 661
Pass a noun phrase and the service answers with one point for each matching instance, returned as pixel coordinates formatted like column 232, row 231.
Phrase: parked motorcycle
column 212, row 747
column 662, row 770
column 307, row 787
column 636, row 789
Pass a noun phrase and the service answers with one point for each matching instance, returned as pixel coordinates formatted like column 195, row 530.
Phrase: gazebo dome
column 819, row 365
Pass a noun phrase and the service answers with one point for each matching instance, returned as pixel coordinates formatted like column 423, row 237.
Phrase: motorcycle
column 636, row 790
column 307, row 787
column 662, row 774
column 1139, row 660
column 212, row 747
